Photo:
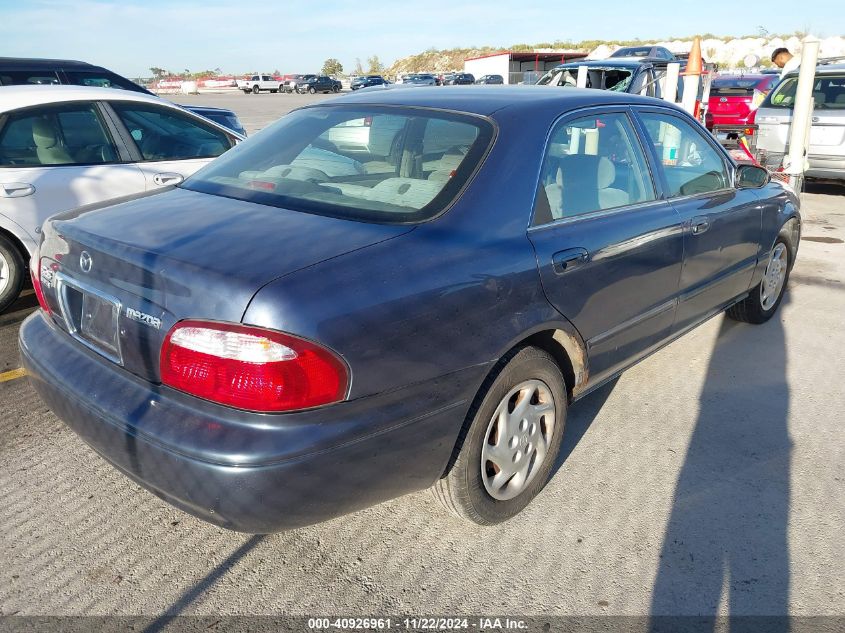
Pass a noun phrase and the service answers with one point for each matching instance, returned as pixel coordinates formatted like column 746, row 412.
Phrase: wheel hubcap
column 517, row 439
column 4, row 274
column 774, row 277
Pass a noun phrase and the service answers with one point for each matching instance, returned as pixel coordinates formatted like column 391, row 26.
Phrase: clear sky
column 130, row 36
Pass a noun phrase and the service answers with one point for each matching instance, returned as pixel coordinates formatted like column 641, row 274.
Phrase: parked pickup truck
column 257, row 83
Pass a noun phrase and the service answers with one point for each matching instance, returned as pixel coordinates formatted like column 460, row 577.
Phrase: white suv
column 66, row 146
column 826, row 154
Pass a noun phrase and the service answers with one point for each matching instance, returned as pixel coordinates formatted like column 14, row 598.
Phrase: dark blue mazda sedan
column 395, row 290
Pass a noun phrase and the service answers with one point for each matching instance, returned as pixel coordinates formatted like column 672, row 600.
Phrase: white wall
column 495, row 65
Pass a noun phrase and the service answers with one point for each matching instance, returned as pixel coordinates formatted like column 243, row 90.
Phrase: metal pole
column 799, row 133
column 670, row 90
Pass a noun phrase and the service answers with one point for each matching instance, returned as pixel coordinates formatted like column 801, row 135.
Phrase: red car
column 732, row 99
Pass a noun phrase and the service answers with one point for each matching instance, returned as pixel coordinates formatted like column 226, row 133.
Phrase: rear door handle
column 168, row 178
column 564, row 261
column 16, row 189
column 700, row 225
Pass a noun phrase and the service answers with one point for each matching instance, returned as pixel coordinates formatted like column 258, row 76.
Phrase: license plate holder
column 91, row 317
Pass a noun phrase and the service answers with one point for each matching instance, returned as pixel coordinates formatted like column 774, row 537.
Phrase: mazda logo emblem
column 85, row 261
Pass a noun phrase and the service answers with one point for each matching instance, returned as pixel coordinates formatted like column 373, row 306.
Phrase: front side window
column 370, row 164
column 55, row 135
column 592, row 163
column 164, row 134
column 691, row 165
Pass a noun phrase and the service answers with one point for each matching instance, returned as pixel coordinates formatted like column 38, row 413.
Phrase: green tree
column 376, row 66
column 332, row 67
column 158, row 73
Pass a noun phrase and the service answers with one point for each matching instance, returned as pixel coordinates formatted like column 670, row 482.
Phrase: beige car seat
column 48, row 146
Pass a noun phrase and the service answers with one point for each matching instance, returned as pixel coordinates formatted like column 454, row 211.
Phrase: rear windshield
column 378, row 164
column 733, row 87
column 828, row 93
column 610, row 78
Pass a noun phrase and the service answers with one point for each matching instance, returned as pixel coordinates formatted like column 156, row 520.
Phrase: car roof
column 15, row 97
column 821, row 69
column 37, row 62
column 628, row 63
column 485, row 100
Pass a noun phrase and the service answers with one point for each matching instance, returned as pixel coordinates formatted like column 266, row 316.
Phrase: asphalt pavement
column 708, row 479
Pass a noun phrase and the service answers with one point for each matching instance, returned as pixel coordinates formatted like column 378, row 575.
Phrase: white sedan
column 66, row 146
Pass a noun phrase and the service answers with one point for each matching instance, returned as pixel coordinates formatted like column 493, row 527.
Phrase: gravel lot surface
column 707, row 479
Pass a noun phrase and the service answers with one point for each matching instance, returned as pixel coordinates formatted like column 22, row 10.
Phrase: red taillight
column 36, row 286
column 250, row 368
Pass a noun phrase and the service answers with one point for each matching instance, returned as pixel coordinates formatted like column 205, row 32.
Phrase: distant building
column 513, row 66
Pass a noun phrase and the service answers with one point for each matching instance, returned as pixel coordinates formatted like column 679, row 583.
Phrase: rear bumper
column 244, row 471
column 832, row 167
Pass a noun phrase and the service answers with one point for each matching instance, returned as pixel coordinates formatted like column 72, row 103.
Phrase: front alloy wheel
column 774, row 277
column 763, row 301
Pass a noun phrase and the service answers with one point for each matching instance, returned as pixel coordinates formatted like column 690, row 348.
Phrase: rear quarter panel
column 456, row 292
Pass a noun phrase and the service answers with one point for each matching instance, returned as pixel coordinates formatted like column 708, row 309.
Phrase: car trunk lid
column 119, row 277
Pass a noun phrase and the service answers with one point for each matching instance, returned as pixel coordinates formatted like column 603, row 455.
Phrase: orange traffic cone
column 694, row 65
column 694, row 69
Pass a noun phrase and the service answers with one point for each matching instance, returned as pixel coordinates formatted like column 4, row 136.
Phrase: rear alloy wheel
column 762, row 303
column 312, row 90
column 12, row 267
column 255, row 90
column 335, row 88
column 510, row 441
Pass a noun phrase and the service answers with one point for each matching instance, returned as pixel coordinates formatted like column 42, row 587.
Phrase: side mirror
column 751, row 177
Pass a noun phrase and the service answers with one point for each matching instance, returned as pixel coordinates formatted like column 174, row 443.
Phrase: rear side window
column 165, row 134
column 691, row 165
column 828, row 93
column 371, row 164
column 592, row 163
column 28, row 78
column 101, row 79
column 63, row 135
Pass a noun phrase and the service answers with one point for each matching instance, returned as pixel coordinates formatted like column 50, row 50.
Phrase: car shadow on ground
column 726, row 548
column 579, row 418
column 202, row 586
column 824, row 187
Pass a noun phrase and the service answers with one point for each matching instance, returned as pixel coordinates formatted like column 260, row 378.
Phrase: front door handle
column 16, row 189
column 168, row 178
column 564, row 261
column 700, row 225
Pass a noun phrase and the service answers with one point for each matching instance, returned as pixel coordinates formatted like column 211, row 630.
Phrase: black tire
column 312, row 90
column 335, row 88
column 13, row 270
column 751, row 309
column 462, row 490
column 255, row 90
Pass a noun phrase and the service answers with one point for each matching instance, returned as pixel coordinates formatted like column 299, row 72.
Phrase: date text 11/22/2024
column 417, row 624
